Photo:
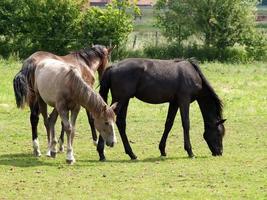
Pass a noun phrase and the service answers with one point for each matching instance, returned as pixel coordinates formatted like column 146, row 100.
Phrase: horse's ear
column 105, row 108
column 114, row 105
column 220, row 122
column 111, row 48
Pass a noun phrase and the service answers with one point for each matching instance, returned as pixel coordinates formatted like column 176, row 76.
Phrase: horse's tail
column 23, row 83
column 207, row 87
column 105, row 84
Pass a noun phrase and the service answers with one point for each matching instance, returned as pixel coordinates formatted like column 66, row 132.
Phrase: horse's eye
column 106, row 123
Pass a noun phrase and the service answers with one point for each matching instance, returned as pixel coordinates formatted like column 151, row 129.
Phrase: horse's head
column 214, row 137
column 105, row 124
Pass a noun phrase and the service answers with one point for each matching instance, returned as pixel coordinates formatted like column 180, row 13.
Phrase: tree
column 29, row 26
column 112, row 24
column 217, row 23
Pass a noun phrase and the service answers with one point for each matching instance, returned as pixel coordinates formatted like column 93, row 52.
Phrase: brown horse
column 88, row 60
column 63, row 87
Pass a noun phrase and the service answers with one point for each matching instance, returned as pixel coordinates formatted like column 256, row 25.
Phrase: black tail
column 208, row 88
column 20, row 83
column 105, row 84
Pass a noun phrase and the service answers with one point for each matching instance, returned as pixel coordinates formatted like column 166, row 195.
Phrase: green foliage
column 37, row 25
column 60, row 26
column 110, row 25
column 204, row 53
column 218, row 24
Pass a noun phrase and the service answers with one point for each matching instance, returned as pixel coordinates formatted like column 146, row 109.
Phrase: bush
column 202, row 53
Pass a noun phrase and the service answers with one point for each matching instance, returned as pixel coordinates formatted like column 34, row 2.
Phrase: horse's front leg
column 173, row 107
column 64, row 115
column 184, row 111
column 34, row 118
column 92, row 126
column 53, row 143
column 121, row 124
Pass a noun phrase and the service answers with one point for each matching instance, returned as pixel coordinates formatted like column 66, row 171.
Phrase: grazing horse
column 63, row 87
column 178, row 82
column 88, row 60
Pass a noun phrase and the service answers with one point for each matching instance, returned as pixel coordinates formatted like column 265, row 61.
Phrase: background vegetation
column 208, row 30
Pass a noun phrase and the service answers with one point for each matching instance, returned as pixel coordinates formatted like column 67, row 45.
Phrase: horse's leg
column 34, row 118
column 74, row 114
column 92, row 125
column 53, row 143
column 173, row 107
column 61, row 139
column 64, row 114
column 43, row 110
column 121, row 124
column 184, row 111
column 100, row 148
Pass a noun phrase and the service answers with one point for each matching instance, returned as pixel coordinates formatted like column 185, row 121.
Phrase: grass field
column 241, row 173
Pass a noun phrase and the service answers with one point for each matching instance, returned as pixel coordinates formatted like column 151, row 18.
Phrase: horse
column 62, row 86
column 89, row 60
column 177, row 82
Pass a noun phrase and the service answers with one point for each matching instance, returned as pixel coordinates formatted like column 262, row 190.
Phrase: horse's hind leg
column 184, row 111
column 43, row 110
column 173, row 107
column 53, row 142
column 92, row 126
column 61, row 138
column 34, row 118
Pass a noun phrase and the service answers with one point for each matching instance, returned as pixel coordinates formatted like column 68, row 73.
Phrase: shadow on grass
column 146, row 160
column 23, row 160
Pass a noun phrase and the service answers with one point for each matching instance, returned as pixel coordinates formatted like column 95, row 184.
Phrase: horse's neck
column 88, row 70
column 208, row 110
column 84, row 94
column 94, row 103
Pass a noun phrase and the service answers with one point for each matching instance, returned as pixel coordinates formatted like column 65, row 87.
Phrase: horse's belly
column 155, row 96
column 47, row 87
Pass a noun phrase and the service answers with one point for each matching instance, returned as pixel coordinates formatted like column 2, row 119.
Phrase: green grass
column 241, row 173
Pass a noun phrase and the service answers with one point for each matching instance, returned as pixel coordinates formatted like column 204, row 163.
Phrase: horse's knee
column 68, row 128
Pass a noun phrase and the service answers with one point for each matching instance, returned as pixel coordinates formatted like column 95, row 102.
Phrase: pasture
column 241, row 173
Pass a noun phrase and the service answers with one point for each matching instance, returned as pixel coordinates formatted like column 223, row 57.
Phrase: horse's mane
column 87, row 54
column 86, row 95
column 216, row 100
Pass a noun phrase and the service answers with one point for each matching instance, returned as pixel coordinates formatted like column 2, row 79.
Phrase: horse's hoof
column 53, row 154
column 133, row 157
column 102, row 159
column 163, row 154
column 191, row 156
column 70, row 162
column 36, row 153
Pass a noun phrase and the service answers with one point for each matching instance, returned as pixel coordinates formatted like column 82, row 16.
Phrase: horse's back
column 154, row 81
column 49, row 79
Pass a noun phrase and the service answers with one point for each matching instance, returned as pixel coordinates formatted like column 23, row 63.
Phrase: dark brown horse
column 88, row 60
column 178, row 82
